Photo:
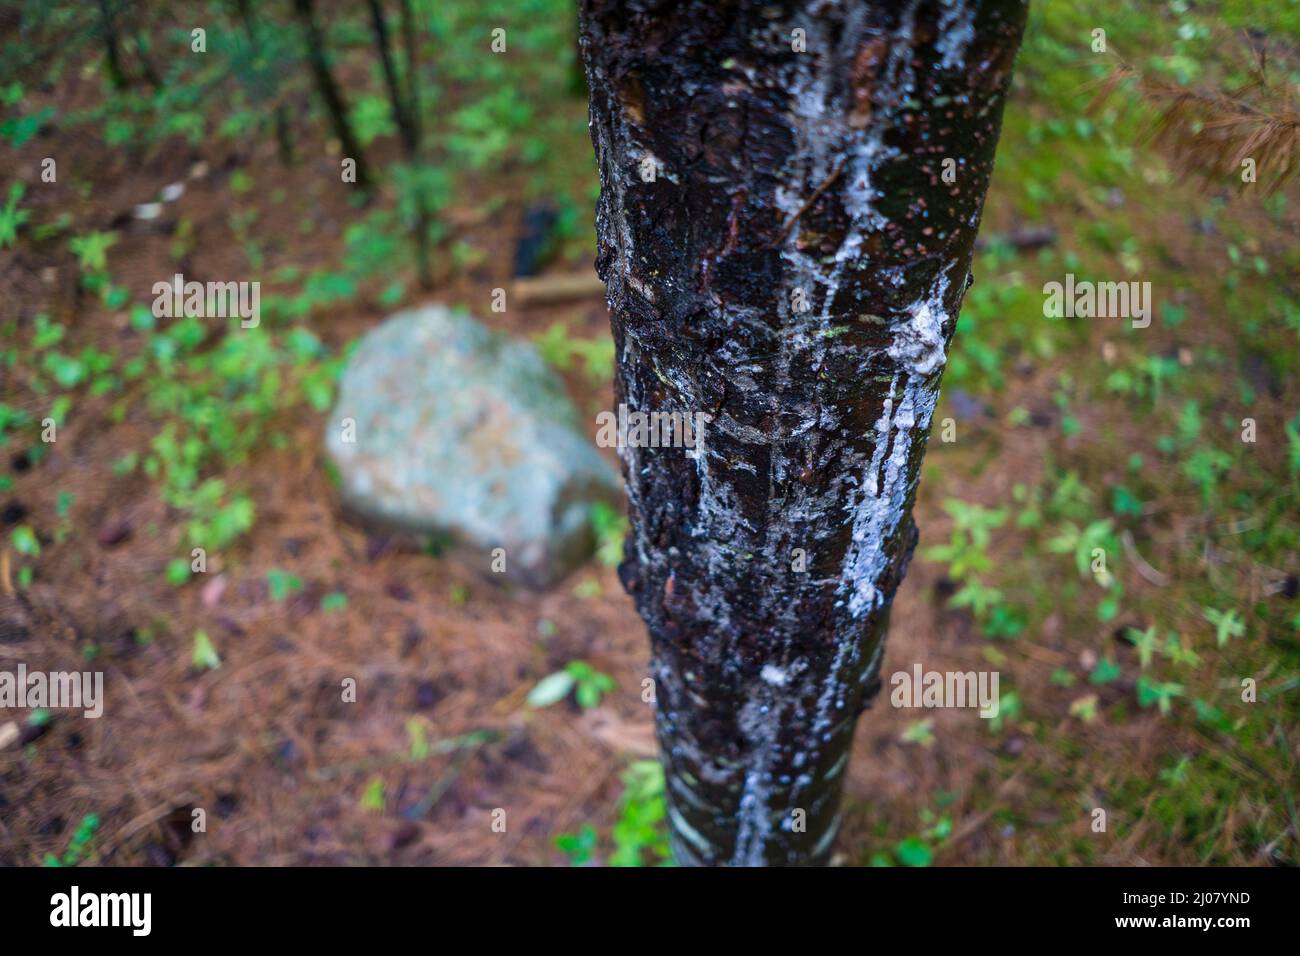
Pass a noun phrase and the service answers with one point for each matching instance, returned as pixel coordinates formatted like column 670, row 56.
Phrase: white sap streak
column 823, row 137
column 753, row 818
column 615, row 144
column 918, row 350
column 896, row 85
column 693, row 836
column 831, row 831
column 759, row 724
column 865, row 558
column 818, row 133
column 918, row 344
column 956, row 30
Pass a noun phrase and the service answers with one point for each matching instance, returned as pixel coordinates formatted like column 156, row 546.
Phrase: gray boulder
column 445, row 427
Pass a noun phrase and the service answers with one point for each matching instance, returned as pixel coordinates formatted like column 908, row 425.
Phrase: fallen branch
column 1033, row 237
column 1144, row 569
column 551, row 290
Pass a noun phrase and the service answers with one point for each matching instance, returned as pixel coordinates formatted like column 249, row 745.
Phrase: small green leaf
column 373, row 798
column 551, row 689
column 588, row 695
column 578, row 847
column 1085, row 708
column 142, row 318
column 25, row 541
column 913, row 852
column 178, row 571
column 1146, row 643
column 1227, row 625
column 205, row 652
column 1062, row 677
column 419, row 738
column 919, row 732
column 282, row 583
column 1105, row 672
column 1152, row 692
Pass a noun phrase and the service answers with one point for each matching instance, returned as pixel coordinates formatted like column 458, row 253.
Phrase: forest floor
column 1121, row 688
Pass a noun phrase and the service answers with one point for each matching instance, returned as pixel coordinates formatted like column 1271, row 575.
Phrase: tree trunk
column 112, row 44
column 329, row 90
column 396, row 98
column 404, row 106
column 410, row 43
column 283, row 132
column 794, row 271
column 147, row 68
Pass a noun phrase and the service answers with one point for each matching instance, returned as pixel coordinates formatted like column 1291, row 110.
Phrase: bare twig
column 550, row 290
column 816, row 194
column 1144, row 569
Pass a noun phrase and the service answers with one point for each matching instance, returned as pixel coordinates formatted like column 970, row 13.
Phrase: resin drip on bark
column 793, row 269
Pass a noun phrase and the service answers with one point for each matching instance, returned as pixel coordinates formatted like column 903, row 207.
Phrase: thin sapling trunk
column 790, row 196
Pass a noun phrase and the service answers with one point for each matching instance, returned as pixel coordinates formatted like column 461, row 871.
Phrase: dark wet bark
column 794, row 271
